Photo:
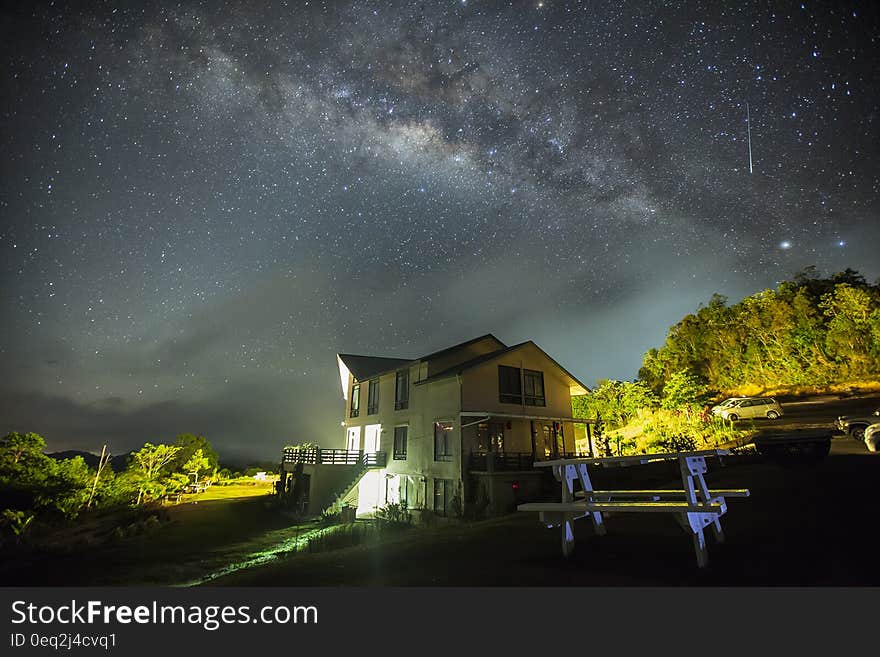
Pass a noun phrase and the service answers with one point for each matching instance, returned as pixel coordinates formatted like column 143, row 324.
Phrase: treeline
column 37, row 487
column 810, row 332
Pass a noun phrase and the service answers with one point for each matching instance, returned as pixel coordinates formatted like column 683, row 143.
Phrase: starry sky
column 201, row 203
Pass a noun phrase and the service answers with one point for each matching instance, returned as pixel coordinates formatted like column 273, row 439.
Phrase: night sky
column 202, row 203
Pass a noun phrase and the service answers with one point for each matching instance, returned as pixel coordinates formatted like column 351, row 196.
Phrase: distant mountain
column 117, row 462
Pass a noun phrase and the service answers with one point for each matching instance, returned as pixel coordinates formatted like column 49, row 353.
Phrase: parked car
column 872, row 437
column 855, row 426
column 749, row 407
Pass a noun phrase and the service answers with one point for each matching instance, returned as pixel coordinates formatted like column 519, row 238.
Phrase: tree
column 850, row 329
column 616, row 401
column 150, row 464
column 16, row 447
column 32, row 482
column 188, row 444
column 196, row 464
column 684, row 390
column 810, row 331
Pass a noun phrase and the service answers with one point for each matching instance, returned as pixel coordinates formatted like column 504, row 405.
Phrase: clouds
column 242, row 421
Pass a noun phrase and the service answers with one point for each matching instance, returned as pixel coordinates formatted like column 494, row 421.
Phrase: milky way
column 203, row 202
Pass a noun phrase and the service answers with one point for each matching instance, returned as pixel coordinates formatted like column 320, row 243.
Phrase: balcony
column 318, row 456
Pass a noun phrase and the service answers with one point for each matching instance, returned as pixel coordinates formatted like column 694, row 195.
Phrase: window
column 490, row 437
column 533, row 382
column 442, row 493
column 373, row 401
column 442, row 442
column 355, row 400
column 528, row 390
column 401, row 390
column 509, row 385
column 400, row 443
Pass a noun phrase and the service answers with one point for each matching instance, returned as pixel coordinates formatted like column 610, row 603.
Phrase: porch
column 500, row 451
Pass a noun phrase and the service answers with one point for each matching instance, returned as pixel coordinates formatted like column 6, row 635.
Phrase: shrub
column 395, row 514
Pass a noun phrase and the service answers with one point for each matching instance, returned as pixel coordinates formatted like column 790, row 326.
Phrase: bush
column 395, row 514
column 14, row 525
column 343, row 537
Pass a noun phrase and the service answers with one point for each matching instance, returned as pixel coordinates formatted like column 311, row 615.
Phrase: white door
column 353, row 441
column 371, row 437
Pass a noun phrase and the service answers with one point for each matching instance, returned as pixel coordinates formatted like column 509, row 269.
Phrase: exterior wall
column 427, row 404
column 479, row 386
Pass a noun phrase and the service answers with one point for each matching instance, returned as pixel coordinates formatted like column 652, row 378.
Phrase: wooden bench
column 695, row 506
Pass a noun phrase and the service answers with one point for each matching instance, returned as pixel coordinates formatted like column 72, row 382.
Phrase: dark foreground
column 804, row 524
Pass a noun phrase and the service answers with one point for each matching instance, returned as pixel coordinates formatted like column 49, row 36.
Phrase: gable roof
column 479, row 360
column 366, row 367
column 468, row 364
column 462, row 345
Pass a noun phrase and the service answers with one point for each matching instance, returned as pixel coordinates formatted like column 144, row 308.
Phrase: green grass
column 239, row 489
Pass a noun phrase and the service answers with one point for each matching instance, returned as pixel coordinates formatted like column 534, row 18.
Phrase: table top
column 631, row 460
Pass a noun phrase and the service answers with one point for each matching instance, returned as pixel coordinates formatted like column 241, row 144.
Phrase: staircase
column 340, row 495
column 347, row 467
column 368, row 461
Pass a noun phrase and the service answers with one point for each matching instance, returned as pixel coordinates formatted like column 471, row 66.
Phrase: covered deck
column 499, row 451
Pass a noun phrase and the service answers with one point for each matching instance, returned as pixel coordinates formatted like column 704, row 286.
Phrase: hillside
column 117, row 462
column 810, row 333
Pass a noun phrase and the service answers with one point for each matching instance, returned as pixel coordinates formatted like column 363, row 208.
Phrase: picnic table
column 694, row 505
column 197, row 487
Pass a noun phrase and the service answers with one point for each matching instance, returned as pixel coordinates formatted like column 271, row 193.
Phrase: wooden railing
column 318, row 456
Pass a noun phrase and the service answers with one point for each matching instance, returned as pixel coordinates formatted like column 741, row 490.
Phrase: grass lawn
column 235, row 490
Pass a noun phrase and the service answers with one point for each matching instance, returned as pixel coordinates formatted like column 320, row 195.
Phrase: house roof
column 479, row 360
column 468, row 364
column 366, row 367
column 461, row 345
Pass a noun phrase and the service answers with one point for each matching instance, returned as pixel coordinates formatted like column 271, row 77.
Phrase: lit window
column 442, row 442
